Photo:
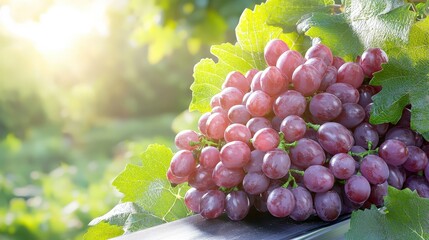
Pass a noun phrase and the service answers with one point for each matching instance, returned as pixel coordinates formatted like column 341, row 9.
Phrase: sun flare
column 58, row 28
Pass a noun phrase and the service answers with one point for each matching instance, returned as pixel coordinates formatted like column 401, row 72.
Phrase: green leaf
column 128, row 215
column 365, row 23
column 103, row 231
column 286, row 13
column 405, row 80
column 148, row 187
column 334, row 31
column 252, row 35
column 406, row 217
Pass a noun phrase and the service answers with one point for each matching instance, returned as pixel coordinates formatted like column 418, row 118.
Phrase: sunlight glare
column 58, row 28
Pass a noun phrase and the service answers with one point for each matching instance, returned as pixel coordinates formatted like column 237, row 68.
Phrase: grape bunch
column 294, row 140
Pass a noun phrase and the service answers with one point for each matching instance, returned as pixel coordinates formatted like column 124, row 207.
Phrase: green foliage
column 165, row 26
column 405, row 80
column 405, row 216
column 149, row 198
column 363, row 24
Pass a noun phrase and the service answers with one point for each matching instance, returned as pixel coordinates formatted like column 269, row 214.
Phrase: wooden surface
column 255, row 226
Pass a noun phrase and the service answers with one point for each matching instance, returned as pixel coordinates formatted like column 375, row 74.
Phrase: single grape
column 239, row 114
column 352, row 114
column 328, row 205
column 306, row 79
column 419, row 184
column 202, row 123
column 317, row 63
column 371, row 60
column 303, row 204
column 321, row 51
column 250, row 74
column 212, row 204
column 272, row 81
column 237, row 205
column 255, row 183
column 329, row 78
column 342, row 165
column 255, row 163
column 325, row 106
column 216, row 125
column 293, row 128
column 266, row 139
column 183, row 163
column 237, row 132
column 374, row 169
column 185, row 138
column 335, row 138
column 417, row 159
column 226, row 177
column 288, row 62
column 378, row 192
column 281, row 202
column 276, row 122
column 193, row 198
column 175, row 180
column 237, row 80
column 402, row 134
column 276, row 164
column 318, row 178
column 289, row 103
column 235, row 154
column 273, row 50
column 201, row 179
column 345, row 92
column 229, row 97
column 397, row 176
column 257, row 123
column 338, row 62
column 219, row 109
column 256, row 82
column 365, row 133
column 259, row 103
column 365, row 95
column 350, row 73
column 357, row 189
column 261, row 202
column 307, row 152
column 209, row 157
column 393, row 151
column 215, row 101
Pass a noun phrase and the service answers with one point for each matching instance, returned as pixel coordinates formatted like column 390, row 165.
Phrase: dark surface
column 255, row 226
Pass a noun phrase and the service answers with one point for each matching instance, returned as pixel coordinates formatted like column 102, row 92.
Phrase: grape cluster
column 295, row 140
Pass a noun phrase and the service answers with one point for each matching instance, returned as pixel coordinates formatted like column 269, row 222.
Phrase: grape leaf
column 252, row 34
column 405, row 80
column 288, row 12
column 149, row 198
column 406, row 217
column 364, row 24
column 129, row 215
column 103, row 231
column 148, row 187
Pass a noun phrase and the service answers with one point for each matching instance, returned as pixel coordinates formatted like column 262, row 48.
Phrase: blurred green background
column 83, row 86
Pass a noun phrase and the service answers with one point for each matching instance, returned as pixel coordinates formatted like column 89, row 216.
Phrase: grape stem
column 292, row 179
column 285, row 146
column 313, row 126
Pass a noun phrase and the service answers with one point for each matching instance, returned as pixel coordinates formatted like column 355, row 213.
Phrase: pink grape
column 273, row 50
